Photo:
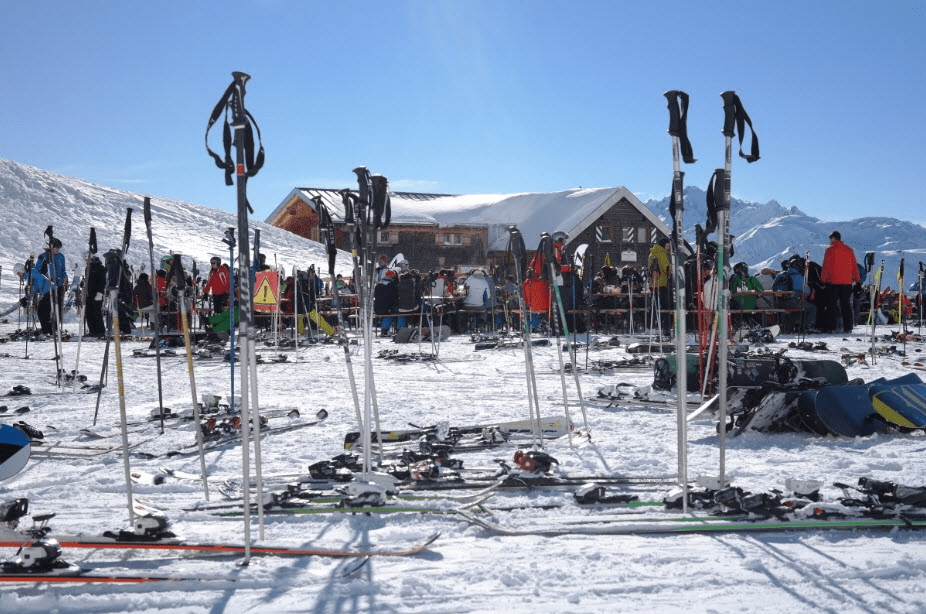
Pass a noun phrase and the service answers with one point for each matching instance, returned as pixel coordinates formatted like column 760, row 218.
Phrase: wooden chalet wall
column 631, row 236
column 426, row 246
column 430, row 248
column 299, row 218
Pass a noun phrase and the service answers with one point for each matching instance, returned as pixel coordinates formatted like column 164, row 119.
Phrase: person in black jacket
column 142, row 295
column 386, row 300
column 409, row 295
column 95, row 288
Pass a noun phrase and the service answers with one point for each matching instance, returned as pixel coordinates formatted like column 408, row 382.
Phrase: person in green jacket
column 742, row 281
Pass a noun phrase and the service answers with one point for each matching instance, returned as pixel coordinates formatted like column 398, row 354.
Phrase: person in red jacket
column 219, row 285
column 840, row 273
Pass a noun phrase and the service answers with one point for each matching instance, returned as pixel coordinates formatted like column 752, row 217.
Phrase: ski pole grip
column 675, row 114
column 381, row 204
column 176, row 268
column 113, row 265
column 363, row 180
column 729, row 113
column 240, row 79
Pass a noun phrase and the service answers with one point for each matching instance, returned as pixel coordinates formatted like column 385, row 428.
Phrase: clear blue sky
column 472, row 96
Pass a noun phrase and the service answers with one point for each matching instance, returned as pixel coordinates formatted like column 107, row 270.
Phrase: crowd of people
column 828, row 297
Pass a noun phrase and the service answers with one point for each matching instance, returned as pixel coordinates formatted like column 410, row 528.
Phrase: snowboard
column 14, row 451
column 903, row 405
column 807, row 413
column 648, row 348
column 755, row 371
column 409, row 334
column 848, row 410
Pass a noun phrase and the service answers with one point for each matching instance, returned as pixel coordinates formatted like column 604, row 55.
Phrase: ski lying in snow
column 540, row 481
column 696, row 525
column 226, row 439
column 16, row 539
column 23, row 392
column 554, row 426
column 292, row 507
column 48, row 449
column 84, row 576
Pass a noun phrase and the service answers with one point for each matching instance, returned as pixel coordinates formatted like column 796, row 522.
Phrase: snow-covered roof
column 570, row 211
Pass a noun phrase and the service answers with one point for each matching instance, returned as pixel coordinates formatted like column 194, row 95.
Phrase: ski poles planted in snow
column 518, row 250
column 735, row 118
column 182, row 293
column 546, row 248
column 114, row 271
column 326, row 230
column 82, row 308
column 247, row 164
column 678, row 130
column 229, row 240
column 156, row 302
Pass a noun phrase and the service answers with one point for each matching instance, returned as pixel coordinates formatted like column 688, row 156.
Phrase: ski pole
column 734, row 119
column 82, row 309
column 183, row 294
column 920, row 327
column 678, row 117
column 52, row 263
column 326, row 229
column 156, row 300
column 247, row 164
column 114, row 265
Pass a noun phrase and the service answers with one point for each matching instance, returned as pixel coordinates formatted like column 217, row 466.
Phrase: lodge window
column 604, row 234
column 449, row 238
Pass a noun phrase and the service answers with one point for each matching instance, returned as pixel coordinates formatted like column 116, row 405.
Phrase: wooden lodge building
column 463, row 232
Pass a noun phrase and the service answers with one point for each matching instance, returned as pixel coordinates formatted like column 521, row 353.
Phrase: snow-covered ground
column 468, row 569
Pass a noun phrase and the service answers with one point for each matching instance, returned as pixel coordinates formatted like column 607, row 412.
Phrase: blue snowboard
column 903, row 405
column 14, row 451
column 848, row 411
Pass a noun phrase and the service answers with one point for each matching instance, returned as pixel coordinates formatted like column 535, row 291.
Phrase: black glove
column 24, row 301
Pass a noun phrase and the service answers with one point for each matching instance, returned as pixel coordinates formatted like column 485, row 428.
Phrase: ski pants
column 842, row 294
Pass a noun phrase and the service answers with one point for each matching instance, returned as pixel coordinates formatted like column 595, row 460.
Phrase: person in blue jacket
column 792, row 280
column 55, row 271
column 37, row 291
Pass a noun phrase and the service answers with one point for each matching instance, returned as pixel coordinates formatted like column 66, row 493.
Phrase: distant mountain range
column 765, row 234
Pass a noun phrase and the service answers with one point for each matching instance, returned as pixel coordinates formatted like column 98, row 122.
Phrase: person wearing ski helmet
column 218, row 284
column 840, row 273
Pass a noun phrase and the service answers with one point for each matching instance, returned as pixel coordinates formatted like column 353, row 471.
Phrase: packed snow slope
column 32, row 199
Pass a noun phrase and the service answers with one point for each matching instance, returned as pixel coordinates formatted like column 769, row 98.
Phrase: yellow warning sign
column 266, row 291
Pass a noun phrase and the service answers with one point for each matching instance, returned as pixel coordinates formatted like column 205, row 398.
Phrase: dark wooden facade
column 427, row 247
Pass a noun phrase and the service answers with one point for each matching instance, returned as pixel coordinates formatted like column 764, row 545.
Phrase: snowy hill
column 767, row 233
column 33, row 199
